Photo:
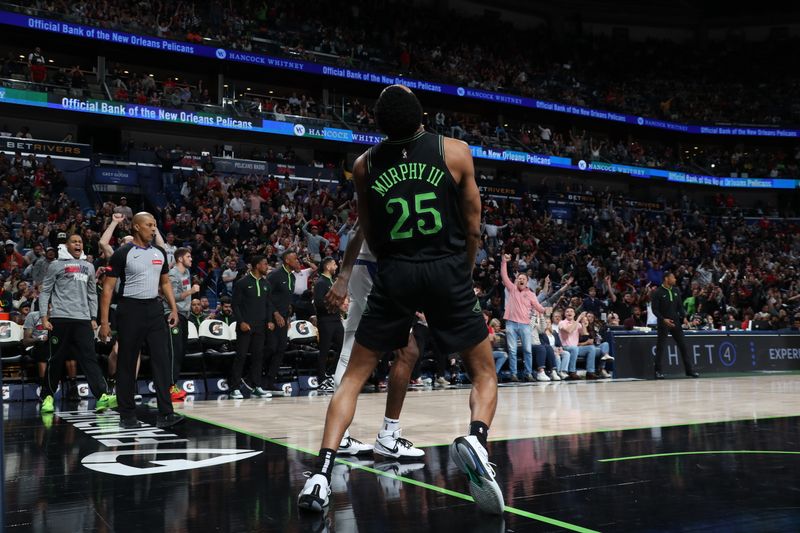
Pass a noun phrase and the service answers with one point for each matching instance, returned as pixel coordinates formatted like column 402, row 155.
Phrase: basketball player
column 358, row 268
column 419, row 208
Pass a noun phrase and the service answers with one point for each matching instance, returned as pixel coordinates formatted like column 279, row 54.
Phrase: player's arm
column 360, row 180
column 105, row 238
column 338, row 292
column 459, row 158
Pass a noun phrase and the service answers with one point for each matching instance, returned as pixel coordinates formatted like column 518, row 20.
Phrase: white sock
column 390, row 425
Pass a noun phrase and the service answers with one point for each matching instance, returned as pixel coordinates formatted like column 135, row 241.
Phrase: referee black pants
column 331, row 335
column 661, row 346
column 178, row 340
column 251, row 342
column 73, row 338
column 140, row 323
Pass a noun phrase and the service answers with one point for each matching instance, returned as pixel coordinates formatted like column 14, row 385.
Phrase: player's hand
column 279, row 320
column 245, row 327
column 105, row 332
column 337, row 294
column 172, row 320
column 46, row 324
column 94, row 325
column 669, row 322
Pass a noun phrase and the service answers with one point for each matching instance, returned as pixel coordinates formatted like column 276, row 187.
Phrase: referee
column 667, row 305
column 69, row 286
column 141, row 269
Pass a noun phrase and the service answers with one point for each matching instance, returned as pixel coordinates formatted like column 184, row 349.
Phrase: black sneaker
column 130, row 423
column 167, row 421
column 72, row 391
column 327, row 385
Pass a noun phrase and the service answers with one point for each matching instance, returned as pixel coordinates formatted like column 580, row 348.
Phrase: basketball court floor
column 714, row 454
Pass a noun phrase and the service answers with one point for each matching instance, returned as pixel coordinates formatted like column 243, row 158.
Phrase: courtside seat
column 11, row 349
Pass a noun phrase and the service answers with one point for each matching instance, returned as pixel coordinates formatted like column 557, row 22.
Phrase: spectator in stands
column 637, row 319
column 314, row 241
column 552, row 344
column 519, row 303
column 570, row 330
column 124, row 209
column 37, row 66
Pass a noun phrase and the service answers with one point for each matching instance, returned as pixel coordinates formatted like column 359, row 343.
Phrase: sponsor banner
column 240, row 166
column 710, row 353
column 289, row 389
column 137, row 111
column 190, row 386
column 116, row 176
column 43, row 147
column 295, row 65
column 308, row 383
column 561, row 212
column 494, row 188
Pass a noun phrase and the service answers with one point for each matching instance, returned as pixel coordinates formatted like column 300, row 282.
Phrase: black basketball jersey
column 413, row 200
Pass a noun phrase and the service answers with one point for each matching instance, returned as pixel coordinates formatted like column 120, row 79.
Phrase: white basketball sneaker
column 472, row 458
column 351, row 446
column 315, row 495
column 392, row 444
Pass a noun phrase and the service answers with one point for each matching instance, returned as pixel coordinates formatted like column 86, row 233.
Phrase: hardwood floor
column 434, row 417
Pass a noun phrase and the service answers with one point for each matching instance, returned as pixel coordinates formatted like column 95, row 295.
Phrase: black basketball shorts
column 442, row 289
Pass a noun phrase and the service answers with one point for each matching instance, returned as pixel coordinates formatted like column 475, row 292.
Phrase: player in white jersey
column 355, row 279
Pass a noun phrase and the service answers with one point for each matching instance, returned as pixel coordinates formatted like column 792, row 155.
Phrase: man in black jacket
column 253, row 310
column 668, row 307
column 329, row 323
column 281, row 282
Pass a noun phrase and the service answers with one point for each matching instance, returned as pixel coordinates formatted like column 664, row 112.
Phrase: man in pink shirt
column 519, row 302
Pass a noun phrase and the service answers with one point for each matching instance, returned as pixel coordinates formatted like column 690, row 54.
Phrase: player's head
column 259, row 263
column 669, row 279
column 328, row 265
column 183, row 257
column 398, row 112
column 75, row 245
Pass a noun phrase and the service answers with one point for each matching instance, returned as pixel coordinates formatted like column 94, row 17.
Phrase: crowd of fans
column 126, row 85
column 599, row 267
column 730, row 81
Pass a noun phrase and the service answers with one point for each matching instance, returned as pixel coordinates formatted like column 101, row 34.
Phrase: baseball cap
column 9, row 242
column 61, row 235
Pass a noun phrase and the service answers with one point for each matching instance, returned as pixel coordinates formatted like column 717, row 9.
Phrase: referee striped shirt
column 139, row 271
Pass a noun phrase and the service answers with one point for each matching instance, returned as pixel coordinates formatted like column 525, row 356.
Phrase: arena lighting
column 271, row 92
column 125, row 71
column 249, row 89
column 50, row 61
column 713, row 165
